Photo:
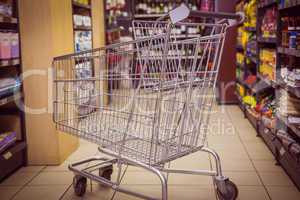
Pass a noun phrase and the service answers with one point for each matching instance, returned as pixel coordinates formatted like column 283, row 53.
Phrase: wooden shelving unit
column 15, row 155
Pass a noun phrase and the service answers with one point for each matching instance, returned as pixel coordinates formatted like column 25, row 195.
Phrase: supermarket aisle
column 244, row 156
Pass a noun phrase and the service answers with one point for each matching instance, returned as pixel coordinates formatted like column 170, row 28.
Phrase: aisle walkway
column 246, row 160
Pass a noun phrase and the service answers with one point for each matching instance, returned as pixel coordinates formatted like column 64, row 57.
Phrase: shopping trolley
column 145, row 102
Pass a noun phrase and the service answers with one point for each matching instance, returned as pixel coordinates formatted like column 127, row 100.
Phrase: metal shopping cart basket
column 145, row 102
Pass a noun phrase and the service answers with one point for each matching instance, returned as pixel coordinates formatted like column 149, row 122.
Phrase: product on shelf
column 290, row 32
column 152, row 7
column 251, row 79
column 207, row 5
column 289, row 105
column 267, row 67
column 249, row 100
column 269, row 23
column 266, row 106
column 115, row 9
column 84, row 2
column 291, row 77
column 81, row 20
column 251, row 49
column 9, row 45
column 289, row 144
column 241, row 90
column 6, row 140
column 250, row 13
column 83, row 40
column 287, row 3
column 240, row 58
column 8, row 86
column 5, row 9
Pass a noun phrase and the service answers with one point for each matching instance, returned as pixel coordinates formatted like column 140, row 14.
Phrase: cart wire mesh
column 148, row 99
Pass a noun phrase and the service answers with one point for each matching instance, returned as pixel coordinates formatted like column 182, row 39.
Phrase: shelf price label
column 7, row 155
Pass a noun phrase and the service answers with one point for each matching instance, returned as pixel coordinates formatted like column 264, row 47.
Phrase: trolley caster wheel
column 79, row 185
column 106, row 172
column 231, row 191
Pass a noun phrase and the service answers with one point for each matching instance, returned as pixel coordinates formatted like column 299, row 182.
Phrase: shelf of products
column 267, row 64
column 273, row 106
column 82, row 25
column 285, row 4
column 268, row 28
column 118, row 20
column 12, row 142
column 289, row 51
column 85, row 4
column 266, row 3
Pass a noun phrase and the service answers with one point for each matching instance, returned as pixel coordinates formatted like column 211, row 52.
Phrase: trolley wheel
column 232, row 191
column 79, row 185
column 106, row 172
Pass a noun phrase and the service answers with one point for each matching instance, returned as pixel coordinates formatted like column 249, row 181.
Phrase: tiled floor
column 245, row 159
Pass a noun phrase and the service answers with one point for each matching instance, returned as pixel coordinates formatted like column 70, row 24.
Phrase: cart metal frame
column 75, row 92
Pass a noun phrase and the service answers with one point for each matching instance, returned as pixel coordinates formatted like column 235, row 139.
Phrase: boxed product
column 6, row 140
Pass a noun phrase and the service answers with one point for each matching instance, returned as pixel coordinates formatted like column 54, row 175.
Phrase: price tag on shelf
column 282, row 151
column 7, row 155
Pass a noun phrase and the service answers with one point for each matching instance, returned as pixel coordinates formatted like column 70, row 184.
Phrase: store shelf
column 289, row 4
column 294, row 90
column 9, row 62
column 270, row 83
column 82, row 28
column 268, row 136
column 288, row 51
column 240, row 102
column 239, row 48
column 80, row 5
column 267, row 40
column 8, row 20
column 294, row 128
column 250, row 29
column 252, row 117
column 241, row 66
column 252, row 59
column 267, row 3
column 138, row 16
column 12, row 159
column 11, row 98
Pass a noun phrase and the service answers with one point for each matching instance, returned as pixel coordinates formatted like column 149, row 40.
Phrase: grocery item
column 267, row 65
column 269, row 23
column 6, row 140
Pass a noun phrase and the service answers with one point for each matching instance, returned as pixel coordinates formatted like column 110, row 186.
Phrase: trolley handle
column 182, row 12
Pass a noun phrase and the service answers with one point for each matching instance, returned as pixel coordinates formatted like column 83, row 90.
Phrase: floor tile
column 185, row 179
column 32, row 168
column 83, row 153
column 267, row 166
column 52, row 178
column 256, row 154
column 97, row 193
column 275, row 179
column 57, row 168
column 18, row 179
column 198, row 160
column 252, row 192
column 140, row 178
column 244, row 178
column 174, row 192
column 236, row 165
column 280, row 193
column 41, row 192
column 7, row 192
